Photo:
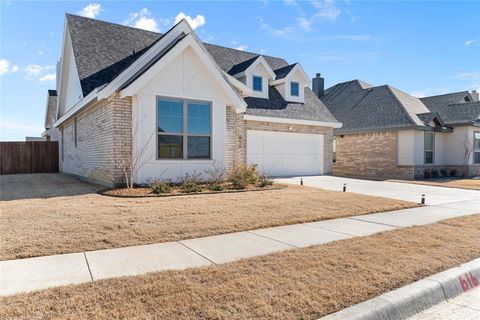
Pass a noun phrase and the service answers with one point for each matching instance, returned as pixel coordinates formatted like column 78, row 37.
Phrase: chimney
column 318, row 85
column 475, row 95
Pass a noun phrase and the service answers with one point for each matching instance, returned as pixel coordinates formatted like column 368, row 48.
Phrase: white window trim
column 185, row 133
column 475, row 150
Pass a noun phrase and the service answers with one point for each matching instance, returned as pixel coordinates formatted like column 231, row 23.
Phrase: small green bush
column 244, row 176
column 265, row 181
column 190, row 183
column 161, row 187
column 216, row 187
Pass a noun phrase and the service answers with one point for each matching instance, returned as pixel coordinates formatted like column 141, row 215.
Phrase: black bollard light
column 344, row 187
column 423, row 199
column 301, row 181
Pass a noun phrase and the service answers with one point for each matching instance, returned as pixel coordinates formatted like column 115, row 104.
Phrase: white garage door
column 285, row 153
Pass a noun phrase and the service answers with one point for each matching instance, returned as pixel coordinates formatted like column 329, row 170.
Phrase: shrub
column 265, row 181
column 215, row 175
column 190, row 183
column 444, row 173
column 434, row 173
column 427, row 174
column 244, row 176
column 215, row 187
column 453, row 173
column 161, row 187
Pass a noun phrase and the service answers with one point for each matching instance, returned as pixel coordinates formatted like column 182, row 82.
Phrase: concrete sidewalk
column 44, row 272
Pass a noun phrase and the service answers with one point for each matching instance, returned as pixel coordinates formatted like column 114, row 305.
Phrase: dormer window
column 294, row 89
column 257, row 83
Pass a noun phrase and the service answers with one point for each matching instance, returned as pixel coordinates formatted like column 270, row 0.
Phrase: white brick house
column 177, row 105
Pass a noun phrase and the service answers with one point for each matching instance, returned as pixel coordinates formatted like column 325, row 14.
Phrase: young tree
column 467, row 144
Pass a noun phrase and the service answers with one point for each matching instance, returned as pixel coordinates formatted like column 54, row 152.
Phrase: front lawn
column 473, row 183
column 296, row 284
column 46, row 226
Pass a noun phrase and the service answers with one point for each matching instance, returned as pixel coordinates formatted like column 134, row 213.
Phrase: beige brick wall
column 369, row 155
column 236, row 148
column 103, row 140
column 296, row 128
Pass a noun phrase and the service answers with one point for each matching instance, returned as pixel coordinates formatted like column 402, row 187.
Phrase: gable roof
column 467, row 113
column 284, row 71
column 362, row 107
column 439, row 101
column 103, row 50
column 313, row 109
column 242, row 66
column 117, row 46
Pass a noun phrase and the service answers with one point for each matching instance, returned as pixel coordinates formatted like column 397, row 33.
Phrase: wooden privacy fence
column 28, row 157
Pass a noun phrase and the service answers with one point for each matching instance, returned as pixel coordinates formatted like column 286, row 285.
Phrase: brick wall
column 103, row 140
column 236, row 148
column 296, row 128
column 370, row 155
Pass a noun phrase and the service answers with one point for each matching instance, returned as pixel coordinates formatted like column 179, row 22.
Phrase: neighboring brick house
column 172, row 105
column 388, row 133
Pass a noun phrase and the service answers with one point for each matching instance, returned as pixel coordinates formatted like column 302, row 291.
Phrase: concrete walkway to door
column 387, row 189
column 24, row 275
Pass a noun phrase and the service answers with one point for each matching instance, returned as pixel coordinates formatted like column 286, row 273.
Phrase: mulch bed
column 142, row 192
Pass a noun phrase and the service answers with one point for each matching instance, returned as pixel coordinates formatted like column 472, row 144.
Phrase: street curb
column 409, row 300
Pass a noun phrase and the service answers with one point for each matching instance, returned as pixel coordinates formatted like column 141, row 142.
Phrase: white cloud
column 32, row 70
column 143, row 20
column 15, row 68
column 196, row 22
column 326, row 9
column 4, row 66
column 468, row 75
column 304, row 23
column 473, row 42
column 276, row 32
column 48, row 77
column 242, row 47
column 90, row 11
column 290, row 2
column 429, row 92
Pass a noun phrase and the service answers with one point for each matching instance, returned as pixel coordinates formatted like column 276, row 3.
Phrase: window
column 257, row 83
column 476, row 147
column 429, row 147
column 184, row 129
column 294, row 89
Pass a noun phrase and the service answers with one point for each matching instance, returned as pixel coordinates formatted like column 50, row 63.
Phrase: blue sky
column 423, row 48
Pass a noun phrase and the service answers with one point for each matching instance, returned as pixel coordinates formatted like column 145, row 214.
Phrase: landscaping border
column 166, row 195
column 416, row 297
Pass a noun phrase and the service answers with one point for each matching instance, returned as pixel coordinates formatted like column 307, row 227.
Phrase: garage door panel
column 285, row 153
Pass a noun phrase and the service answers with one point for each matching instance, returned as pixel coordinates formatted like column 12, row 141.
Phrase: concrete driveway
column 393, row 190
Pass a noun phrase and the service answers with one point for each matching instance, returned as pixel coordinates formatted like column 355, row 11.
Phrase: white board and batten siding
column 285, row 153
column 186, row 78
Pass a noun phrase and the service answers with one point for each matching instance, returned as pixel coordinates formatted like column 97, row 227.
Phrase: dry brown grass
column 473, row 184
column 46, row 226
column 297, row 284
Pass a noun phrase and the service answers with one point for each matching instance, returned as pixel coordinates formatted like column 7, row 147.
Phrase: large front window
column 429, row 147
column 476, row 147
column 184, row 129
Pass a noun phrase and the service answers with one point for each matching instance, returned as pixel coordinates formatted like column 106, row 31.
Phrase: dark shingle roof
column 283, row 72
column 361, row 107
column 242, row 66
column 313, row 109
column 435, row 102
column 460, row 113
column 103, row 50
